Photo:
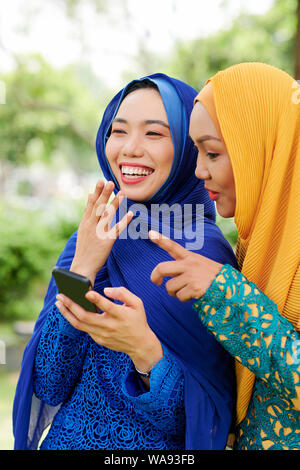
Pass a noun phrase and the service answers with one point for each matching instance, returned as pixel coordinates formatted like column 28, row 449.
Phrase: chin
column 135, row 195
column 225, row 212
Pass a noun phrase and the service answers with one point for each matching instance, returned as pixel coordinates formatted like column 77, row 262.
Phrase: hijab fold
column 207, row 368
column 257, row 110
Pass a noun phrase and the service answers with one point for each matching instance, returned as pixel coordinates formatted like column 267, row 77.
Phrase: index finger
column 174, row 249
column 103, row 303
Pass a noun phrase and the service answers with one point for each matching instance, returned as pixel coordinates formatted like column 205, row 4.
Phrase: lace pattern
column 247, row 323
column 104, row 404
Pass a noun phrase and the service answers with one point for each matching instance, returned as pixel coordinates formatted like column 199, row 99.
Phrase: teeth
column 130, row 170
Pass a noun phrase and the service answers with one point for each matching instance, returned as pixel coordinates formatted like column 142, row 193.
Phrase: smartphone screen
column 74, row 286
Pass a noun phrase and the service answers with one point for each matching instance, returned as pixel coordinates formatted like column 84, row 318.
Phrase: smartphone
column 74, row 286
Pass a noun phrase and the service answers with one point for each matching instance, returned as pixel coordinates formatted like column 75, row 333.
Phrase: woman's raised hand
column 95, row 237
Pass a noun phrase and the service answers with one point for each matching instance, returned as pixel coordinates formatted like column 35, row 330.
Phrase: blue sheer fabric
column 207, row 368
column 106, row 405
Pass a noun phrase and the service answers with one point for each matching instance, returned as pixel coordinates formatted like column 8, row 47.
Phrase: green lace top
column 248, row 325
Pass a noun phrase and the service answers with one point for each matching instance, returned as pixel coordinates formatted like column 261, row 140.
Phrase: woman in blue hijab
column 92, row 394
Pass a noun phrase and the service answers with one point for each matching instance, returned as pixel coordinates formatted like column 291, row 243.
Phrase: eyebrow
column 207, row 137
column 148, row 121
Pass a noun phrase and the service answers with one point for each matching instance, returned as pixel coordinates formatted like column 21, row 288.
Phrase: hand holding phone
column 124, row 328
column 74, row 286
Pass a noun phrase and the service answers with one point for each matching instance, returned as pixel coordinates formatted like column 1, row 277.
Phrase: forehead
column 146, row 102
column 201, row 122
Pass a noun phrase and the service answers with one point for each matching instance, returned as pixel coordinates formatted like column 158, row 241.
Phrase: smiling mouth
column 134, row 172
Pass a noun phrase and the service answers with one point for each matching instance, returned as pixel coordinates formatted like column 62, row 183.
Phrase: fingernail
column 60, row 297
column 109, row 290
column 90, row 294
column 153, row 234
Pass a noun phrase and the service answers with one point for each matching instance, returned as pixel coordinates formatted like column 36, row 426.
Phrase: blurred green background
column 49, row 115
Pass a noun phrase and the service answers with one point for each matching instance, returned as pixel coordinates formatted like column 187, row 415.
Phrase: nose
column 201, row 171
column 132, row 146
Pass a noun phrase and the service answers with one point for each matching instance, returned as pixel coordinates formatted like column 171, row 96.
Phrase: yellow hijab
column 256, row 108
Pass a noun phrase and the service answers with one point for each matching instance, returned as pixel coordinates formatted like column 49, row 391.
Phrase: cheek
column 225, row 176
column 165, row 162
column 230, row 181
column 111, row 151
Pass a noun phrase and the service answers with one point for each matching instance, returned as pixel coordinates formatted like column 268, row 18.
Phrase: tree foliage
column 52, row 114
column 29, row 248
column 49, row 111
column 268, row 38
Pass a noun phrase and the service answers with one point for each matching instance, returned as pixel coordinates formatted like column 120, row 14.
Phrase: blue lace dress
column 248, row 325
column 104, row 403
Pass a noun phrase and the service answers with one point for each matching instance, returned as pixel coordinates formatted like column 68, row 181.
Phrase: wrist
column 78, row 268
column 145, row 357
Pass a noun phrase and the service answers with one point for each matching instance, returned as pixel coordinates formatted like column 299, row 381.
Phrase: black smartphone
column 74, row 286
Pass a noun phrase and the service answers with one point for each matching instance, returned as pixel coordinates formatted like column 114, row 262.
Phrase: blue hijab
column 207, row 368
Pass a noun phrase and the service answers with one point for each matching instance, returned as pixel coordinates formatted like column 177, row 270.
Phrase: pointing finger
column 173, row 248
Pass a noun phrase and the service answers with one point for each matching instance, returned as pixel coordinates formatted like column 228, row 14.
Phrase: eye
column 211, row 155
column 154, row 133
column 118, row 131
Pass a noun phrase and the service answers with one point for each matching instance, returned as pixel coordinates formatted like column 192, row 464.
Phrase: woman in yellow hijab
column 246, row 125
